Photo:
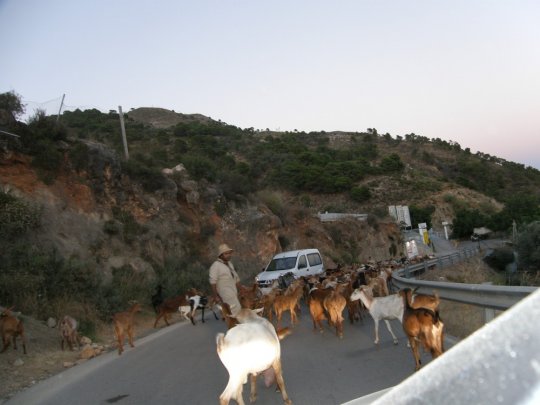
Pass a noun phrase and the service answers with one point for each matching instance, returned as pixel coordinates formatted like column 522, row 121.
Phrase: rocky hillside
column 192, row 183
column 80, row 219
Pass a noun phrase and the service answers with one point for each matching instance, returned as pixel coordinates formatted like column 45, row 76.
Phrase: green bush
column 220, row 206
column 127, row 285
column 16, row 216
column 283, row 241
column 391, row 163
column 35, row 280
column 150, row 178
column 360, row 194
column 131, row 229
column 79, row 156
column 274, row 202
column 499, row 259
column 180, row 273
column 528, row 247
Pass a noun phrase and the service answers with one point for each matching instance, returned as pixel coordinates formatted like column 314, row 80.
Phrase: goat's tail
column 283, row 332
column 220, row 341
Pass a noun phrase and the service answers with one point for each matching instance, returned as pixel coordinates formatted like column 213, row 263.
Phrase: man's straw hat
column 224, row 248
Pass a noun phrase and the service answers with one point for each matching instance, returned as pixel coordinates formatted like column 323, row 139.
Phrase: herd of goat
column 251, row 345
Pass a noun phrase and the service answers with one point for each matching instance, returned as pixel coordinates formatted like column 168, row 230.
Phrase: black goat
column 157, row 298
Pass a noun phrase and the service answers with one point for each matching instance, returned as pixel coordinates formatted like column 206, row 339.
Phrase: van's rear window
column 282, row 264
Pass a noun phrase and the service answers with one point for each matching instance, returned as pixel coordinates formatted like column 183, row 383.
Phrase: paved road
column 179, row 365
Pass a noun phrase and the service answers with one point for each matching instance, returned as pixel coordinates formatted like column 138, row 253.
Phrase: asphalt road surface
column 179, row 365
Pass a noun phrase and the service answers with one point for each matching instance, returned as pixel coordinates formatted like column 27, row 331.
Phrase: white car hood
column 272, row 275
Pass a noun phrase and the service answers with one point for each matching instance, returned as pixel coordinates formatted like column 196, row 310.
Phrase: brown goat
column 288, row 302
column 378, row 286
column 423, row 325
column 123, row 323
column 227, row 315
column 422, row 300
column 353, row 307
column 316, row 306
column 11, row 327
column 171, row 306
column 267, row 302
column 249, row 297
column 335, row 303
column 68, row 332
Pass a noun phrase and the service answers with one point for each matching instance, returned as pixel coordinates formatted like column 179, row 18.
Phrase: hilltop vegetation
column 359, row 167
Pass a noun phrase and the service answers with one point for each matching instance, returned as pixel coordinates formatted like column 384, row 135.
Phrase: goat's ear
column 258, row 310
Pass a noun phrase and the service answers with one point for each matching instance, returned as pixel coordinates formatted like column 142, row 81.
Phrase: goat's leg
column 387, row 322
column 280, row 382
column 130, row 335
column 23, row 340
column 270, row 315
column 415, row 352
column 159, row 316
column 6, row 343
column 120, row 337
column 202, row 314
column 278, row 316
column 376, row 331
column 233, row 390
column 339, row 328
column 191, row 315
column 253, row 384
column 239, row 397
column 293, row 315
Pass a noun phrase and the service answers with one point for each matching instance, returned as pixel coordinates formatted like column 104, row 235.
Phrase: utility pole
column 124, row 139
column 60, row 109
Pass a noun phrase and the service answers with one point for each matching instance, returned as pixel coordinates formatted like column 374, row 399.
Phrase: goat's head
column 7, row 311
column 135, row 307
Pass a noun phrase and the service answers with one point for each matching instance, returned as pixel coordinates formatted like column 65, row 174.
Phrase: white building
column 401, row 214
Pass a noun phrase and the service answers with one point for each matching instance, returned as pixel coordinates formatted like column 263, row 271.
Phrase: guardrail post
column 439, row 262
column 407, row 272
column 425, row 266
column 489, row 315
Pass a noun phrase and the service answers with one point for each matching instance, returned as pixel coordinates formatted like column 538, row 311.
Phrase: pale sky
column 466, row 71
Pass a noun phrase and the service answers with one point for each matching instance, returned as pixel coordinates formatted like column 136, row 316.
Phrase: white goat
column 385, row 308
column 251, row 347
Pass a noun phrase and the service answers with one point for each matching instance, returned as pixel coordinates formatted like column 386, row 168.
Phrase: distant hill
column 163, row 118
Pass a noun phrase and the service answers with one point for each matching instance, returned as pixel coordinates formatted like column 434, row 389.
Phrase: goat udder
column 269, row 376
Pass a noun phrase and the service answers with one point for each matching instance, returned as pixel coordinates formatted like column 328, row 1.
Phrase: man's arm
column 215, row 293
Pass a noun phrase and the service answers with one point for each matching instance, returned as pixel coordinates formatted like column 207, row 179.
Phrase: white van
column 305, row 262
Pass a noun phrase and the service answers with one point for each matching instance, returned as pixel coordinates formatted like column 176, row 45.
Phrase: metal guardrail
column 483, row 295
